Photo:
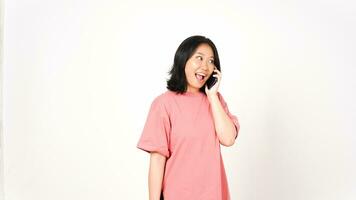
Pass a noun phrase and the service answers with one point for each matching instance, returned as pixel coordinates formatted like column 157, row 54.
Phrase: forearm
column 224, row 127
column 155, row 177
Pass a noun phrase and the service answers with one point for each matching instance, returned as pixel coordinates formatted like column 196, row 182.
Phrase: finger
column 217, row 76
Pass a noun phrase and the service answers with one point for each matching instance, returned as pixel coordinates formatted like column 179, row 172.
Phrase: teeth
column 199, row 77
column 201, row 74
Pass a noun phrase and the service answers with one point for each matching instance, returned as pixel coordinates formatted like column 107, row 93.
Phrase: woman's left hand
column 213, row 90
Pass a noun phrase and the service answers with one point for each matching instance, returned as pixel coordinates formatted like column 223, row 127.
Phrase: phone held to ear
column 211, row 81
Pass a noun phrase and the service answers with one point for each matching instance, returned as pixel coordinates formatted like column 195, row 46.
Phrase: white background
column 79, row 77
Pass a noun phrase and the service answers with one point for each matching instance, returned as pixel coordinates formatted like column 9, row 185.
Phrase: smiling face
column 199, row 67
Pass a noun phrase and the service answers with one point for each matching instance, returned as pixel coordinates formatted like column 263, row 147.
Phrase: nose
column 204, row 66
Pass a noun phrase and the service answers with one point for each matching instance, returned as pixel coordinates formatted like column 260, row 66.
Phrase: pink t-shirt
column 181, row 127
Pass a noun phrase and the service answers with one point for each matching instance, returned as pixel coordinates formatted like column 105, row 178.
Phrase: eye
column 211, row 61
column 199, row 57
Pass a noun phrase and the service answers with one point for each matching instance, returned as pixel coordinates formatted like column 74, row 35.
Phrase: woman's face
column 199, row 67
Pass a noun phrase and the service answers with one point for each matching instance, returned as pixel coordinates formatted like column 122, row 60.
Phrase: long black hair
column 178, row 82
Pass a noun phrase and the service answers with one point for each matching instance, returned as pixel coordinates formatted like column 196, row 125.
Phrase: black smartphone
column 211, row 81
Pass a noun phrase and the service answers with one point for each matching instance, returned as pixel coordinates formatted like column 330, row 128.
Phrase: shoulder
column 163, row 99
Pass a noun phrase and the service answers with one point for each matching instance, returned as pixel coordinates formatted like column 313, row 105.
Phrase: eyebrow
column 204, row 54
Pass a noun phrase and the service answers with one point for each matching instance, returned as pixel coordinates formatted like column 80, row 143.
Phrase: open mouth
column 200, row 76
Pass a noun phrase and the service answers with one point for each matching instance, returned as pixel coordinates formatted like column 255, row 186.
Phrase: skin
column 201, row 61
column 155, row 175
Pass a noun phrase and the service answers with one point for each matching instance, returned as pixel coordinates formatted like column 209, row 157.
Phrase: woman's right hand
column 156, row 174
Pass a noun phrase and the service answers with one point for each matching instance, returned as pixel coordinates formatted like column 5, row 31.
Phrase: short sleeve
column 156, row 132
column 233, row 118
